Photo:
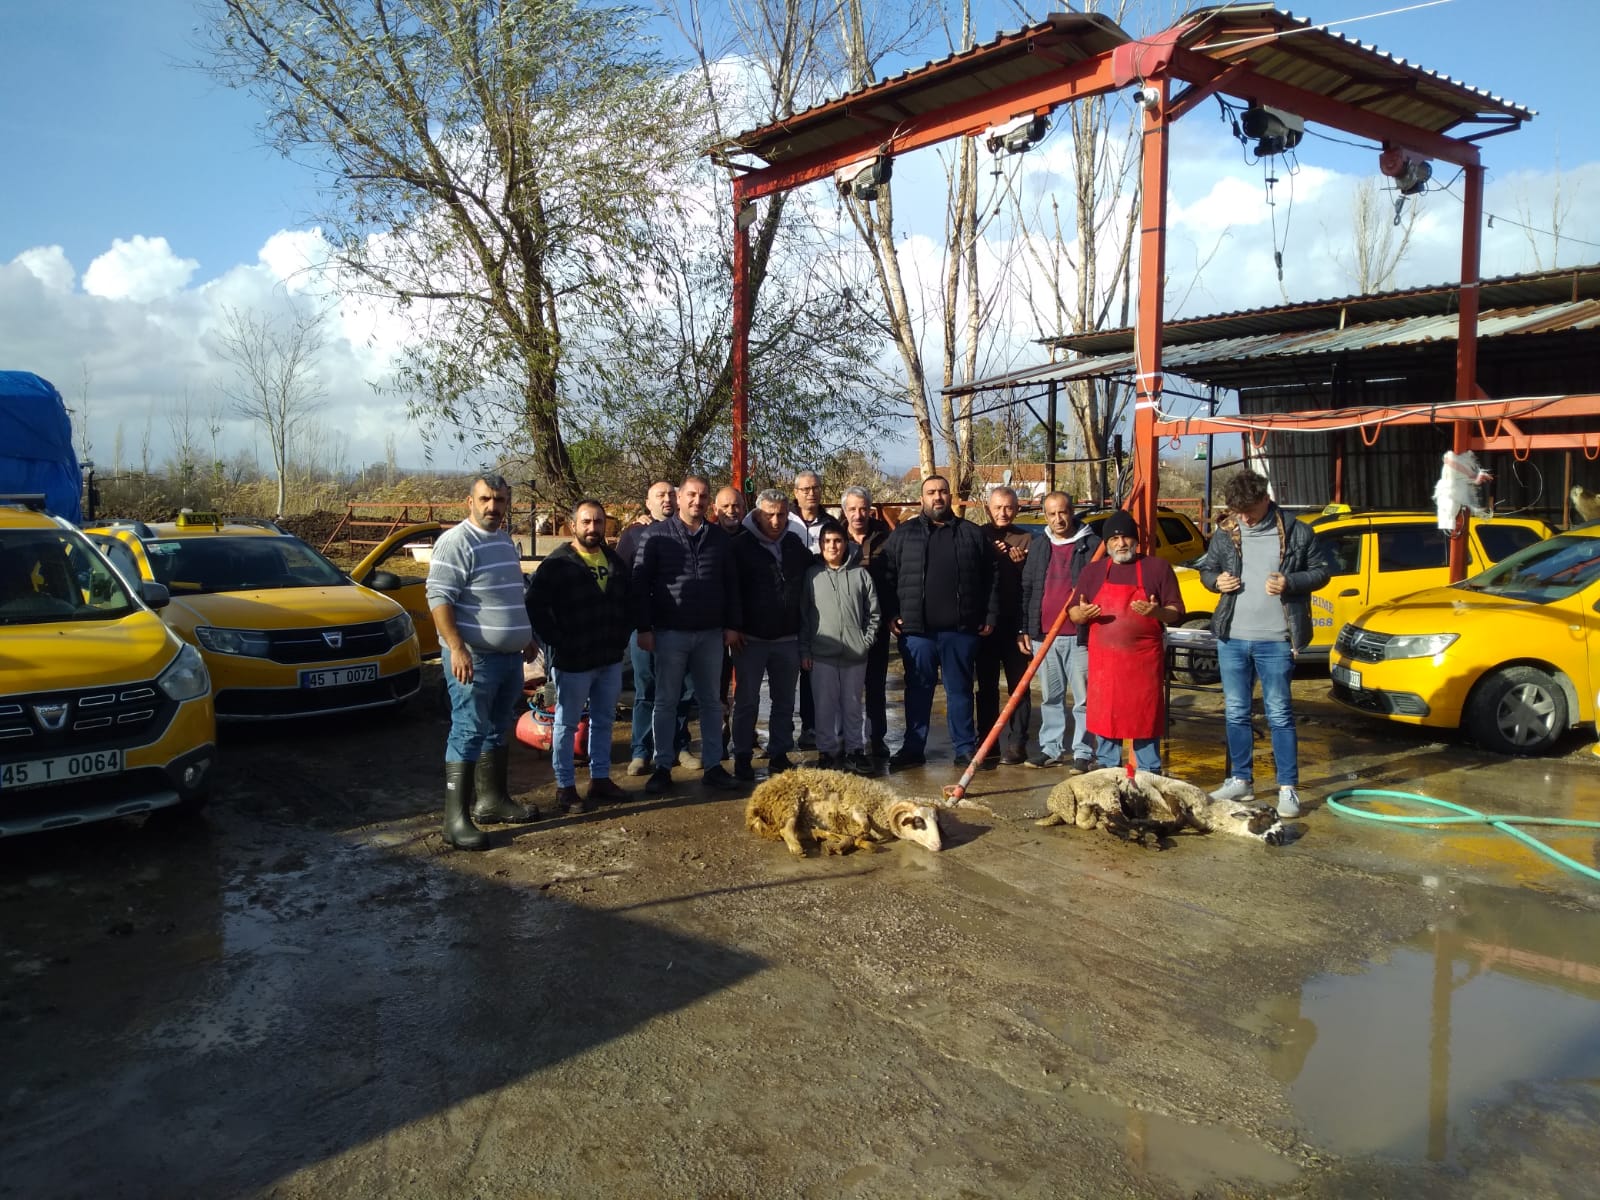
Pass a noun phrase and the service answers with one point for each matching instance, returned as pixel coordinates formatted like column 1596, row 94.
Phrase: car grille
column 329, row 643
column 1363, row 645
column 266, row 703
column 1399, row 704
column 102, row 718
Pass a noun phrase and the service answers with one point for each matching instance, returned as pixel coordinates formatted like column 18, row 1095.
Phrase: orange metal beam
column 1326, row 419
column 1147, row 335
column 972, row 116
column 740, row 467
column 1466, row 339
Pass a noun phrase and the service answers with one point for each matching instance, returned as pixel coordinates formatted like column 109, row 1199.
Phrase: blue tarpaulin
column 36, row 444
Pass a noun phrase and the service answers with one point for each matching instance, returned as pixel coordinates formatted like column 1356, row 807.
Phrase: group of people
column 788, row 604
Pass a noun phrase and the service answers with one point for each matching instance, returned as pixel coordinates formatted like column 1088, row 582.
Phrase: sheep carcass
column 841, row 811
column 1155, row 804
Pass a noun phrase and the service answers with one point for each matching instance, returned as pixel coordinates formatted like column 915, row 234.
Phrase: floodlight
column 1409, row 170
column 1016, row 135
column 1274, row 129
column 864, row 177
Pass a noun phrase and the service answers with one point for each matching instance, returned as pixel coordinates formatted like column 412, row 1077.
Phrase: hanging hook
column 1591, row 454
column 1377, row 429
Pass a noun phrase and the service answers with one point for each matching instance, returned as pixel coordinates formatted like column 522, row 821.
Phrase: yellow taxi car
column 1178, row 538
column 397, row 567
column 1509, row 655
column 103, row 711
column 282, row 630
column 1375, row 556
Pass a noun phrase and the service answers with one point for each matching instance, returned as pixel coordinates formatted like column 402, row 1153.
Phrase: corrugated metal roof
column 1274, row 44
column 1400, row 333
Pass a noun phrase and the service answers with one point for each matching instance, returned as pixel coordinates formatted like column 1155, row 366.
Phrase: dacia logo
column 52, row 716
column 334, row 638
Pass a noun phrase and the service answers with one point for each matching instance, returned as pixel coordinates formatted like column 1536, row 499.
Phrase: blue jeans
column 1146, row 753
column 599, row 688
column 925, row 657
column 696, row 655
column 482, row 712
column 1241, row 663
column 779, row 662
column 644, row 704
column 1066, row 664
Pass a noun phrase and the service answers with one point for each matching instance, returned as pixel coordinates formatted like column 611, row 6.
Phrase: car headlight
column 249, row 642
column 1419, row 645
column 399, row 628
column 186, row 678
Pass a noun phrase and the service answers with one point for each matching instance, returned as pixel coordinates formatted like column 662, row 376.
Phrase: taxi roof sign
column 188, row 519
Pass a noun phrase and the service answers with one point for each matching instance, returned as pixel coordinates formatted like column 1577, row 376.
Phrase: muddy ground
column 308, row 995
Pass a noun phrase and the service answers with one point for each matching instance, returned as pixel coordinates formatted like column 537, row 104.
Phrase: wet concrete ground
column 308, row 995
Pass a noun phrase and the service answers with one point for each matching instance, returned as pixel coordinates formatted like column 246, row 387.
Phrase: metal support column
column 1467, row 335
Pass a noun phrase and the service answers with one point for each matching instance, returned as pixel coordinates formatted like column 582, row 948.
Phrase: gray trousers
column 837, row 688
column 779, row 662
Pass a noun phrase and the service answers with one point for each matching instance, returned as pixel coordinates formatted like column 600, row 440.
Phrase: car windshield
column 1549, row 570
column 51, row 575
column 196, row 565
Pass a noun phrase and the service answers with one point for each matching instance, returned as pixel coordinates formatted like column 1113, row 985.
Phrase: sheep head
column 1261, row 820
column 915, row 823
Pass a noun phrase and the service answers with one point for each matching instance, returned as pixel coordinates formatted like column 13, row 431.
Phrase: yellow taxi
column 103, row 711
column 1178, row 538
column 398, row 567
column 282, row 630
column 1375, row 556
column 1509, row 655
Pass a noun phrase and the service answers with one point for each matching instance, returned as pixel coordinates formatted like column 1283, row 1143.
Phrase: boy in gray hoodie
column 839, row 623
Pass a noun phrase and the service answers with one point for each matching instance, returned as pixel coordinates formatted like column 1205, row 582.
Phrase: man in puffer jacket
column 770, row 565
column 940, row 582
column 1264, row 565
column 838, row 627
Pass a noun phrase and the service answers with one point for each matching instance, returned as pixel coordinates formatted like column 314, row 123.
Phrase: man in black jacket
column 686, row 606
column 940, row 579
column 1048, row 580
column 865, row 538
column 578, row 603
column 772, row 562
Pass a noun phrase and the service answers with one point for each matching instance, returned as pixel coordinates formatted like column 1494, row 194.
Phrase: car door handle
column 1349, row 592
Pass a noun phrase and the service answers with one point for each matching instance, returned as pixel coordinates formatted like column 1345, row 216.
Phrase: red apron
column 1127, row 664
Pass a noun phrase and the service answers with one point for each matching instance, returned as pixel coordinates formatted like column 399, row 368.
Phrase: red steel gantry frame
column 1157, row 62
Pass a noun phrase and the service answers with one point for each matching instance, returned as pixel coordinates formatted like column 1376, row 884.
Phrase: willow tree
column 488, row 167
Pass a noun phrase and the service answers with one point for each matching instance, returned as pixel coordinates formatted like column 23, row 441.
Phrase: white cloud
column 140, row 269
column 49, row 265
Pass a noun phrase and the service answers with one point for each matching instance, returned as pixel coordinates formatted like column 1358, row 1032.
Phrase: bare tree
column 1380, row 235
column 1560, row 209
column 85, row 437
column 275, row 384
column 183, row 468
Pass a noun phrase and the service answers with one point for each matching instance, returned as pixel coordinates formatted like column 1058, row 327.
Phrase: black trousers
column 877, row 700
column 994, row 652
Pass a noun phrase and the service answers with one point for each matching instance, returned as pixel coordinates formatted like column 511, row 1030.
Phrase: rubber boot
column 494, row 805
column 459, row 830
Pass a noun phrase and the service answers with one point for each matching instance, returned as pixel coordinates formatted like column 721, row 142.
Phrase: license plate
column 339, row 676
column 1345, row 676
column 62, row 769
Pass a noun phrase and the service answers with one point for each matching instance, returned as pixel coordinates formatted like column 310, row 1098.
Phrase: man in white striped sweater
column 475, row 593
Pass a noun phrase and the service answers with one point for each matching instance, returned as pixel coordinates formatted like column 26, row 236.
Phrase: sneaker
column 779, row 763
column 571, row 803
column 1082, row 765
column 660, row 781
column 826, row 761
column 903, row 760
column 1039, row 760
column 808, row 739
column 689, row 759
column 604, row 791
column 742, row 770
column 637, row 767
column 1288, row 803
column 718, row 777
column 1234, row 788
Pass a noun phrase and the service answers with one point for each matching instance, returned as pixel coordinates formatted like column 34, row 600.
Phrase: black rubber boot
column 494, row 805
column 459, row 830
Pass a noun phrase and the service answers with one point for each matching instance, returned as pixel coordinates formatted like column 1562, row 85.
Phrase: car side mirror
column 154, row 594
column 383, row 581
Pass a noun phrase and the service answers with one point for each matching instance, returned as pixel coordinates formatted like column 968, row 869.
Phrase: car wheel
column 1200, row 666
column 1517, row 710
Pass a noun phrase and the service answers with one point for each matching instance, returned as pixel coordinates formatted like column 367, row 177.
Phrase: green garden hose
column 1343, row 802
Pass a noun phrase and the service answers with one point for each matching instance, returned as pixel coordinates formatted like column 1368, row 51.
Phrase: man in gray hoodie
column 839, row 623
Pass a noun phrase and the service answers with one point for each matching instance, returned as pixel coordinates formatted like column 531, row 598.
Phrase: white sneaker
column 1234, row 788
column 638, row 766
column 1288, row 803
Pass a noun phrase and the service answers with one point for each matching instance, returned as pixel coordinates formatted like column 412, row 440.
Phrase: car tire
column 1517, row 710
column 1198, row 666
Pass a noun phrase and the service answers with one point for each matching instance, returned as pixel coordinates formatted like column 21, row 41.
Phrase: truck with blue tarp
column 36, row 455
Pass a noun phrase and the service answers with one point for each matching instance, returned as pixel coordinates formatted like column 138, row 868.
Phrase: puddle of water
column 1398, row 1062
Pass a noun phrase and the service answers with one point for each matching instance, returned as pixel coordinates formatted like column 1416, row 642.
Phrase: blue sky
column 109, row 135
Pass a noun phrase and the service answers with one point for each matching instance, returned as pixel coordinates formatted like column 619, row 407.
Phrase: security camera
column 1147, row 98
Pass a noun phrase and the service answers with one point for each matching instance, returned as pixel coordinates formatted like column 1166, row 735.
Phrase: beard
column 1123, row 555
column 592, row 539
column 939, row 512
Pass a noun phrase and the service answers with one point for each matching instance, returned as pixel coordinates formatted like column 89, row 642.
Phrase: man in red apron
column 1123, row 603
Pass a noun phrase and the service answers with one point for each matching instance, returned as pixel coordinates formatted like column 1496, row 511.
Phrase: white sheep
column 1155, row 804
column 841, row 811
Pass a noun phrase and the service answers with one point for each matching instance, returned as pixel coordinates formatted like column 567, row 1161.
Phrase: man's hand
column 647, row 641
column 733, row 640
column 461, row 663
column 1025, row 644
column 1276, row 583
column 805, row 664
column 1082, row 614
column 1015, row 553
column 985, row 630
column 1229, row 582
column 897, row 626
column 1145, row 607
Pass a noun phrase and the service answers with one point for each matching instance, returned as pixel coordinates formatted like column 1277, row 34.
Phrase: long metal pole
column 1467, row 337
column 1152, row 281
column 741, row 347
